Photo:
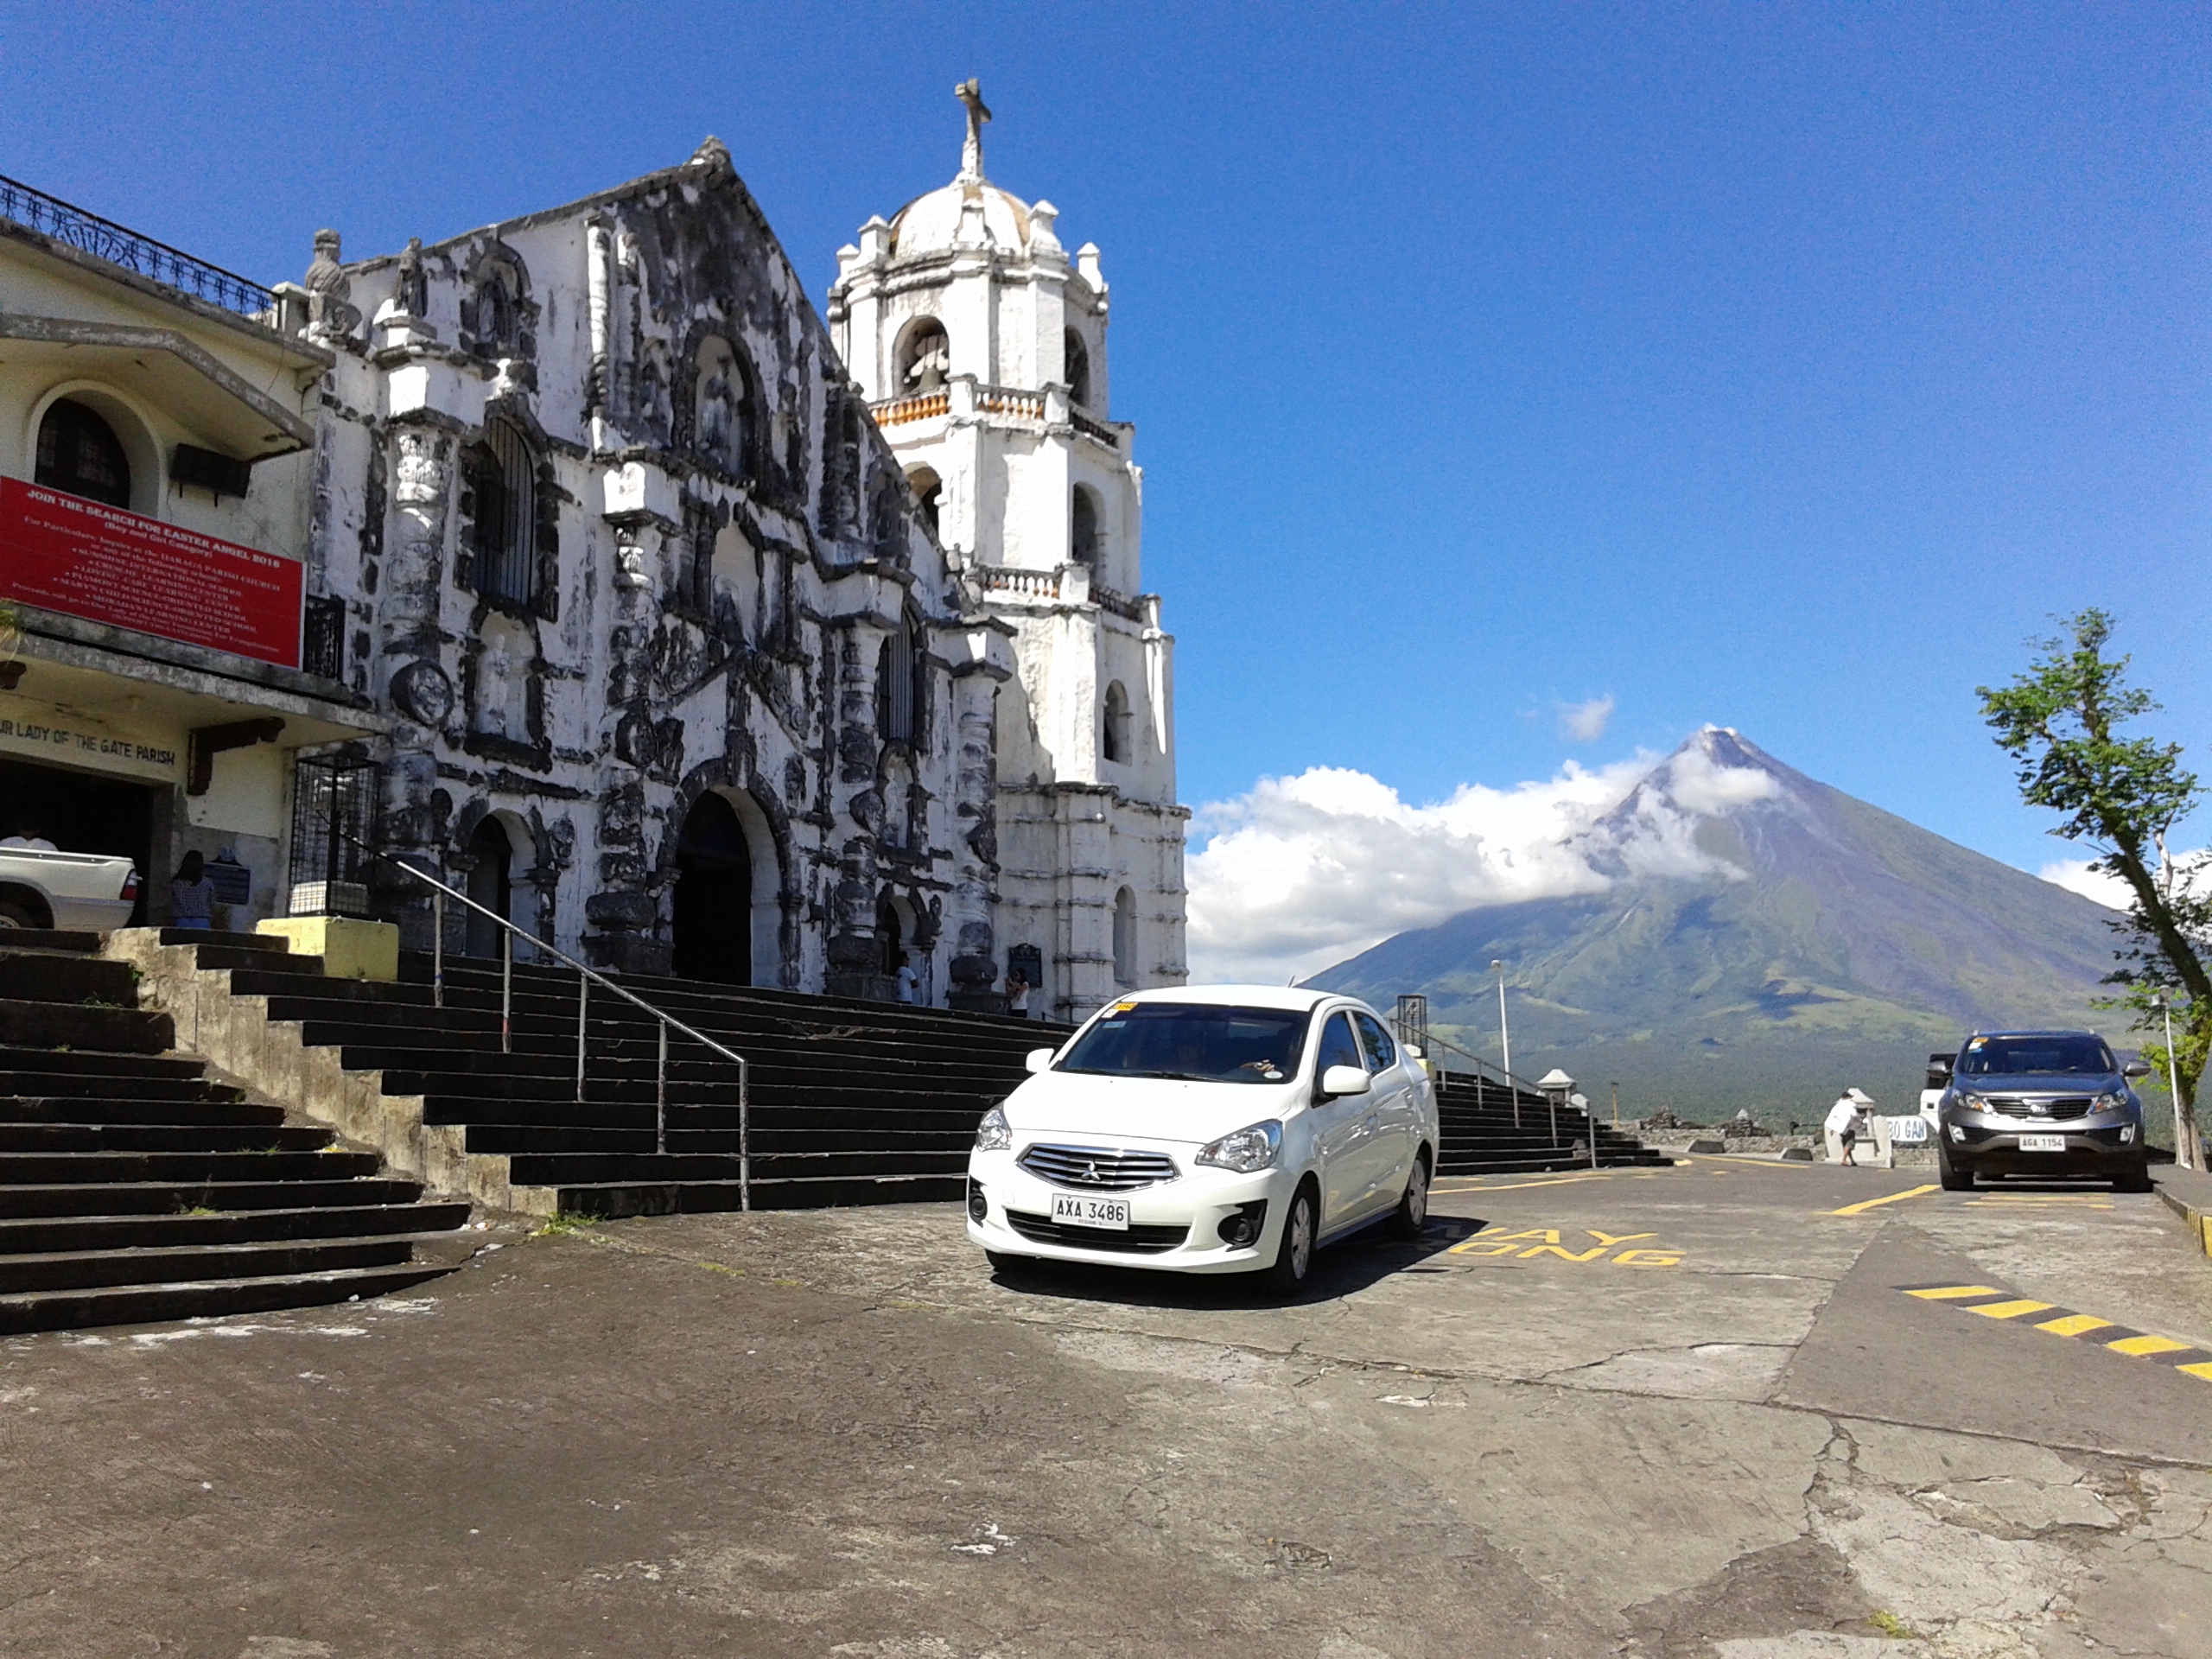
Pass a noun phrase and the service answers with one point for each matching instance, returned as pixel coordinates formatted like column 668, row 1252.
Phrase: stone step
column 195, row 1264
column 61, row 978
column 120, row 1232
column 612, row 1200
column 159, row 1197
column 93, row 1109
column 86, row 1085
column 520, row 1138
column 19, row 1139
column 622, row 1168
column 455, row 1109
column 75, row 1310
column 62, row 941
column 26, row 1062
column 95, row 1168
column 63, row 1025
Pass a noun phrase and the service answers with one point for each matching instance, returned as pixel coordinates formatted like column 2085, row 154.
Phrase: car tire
column 2137, row 1179
column 14, row 913
column 1293, row 1262
column 1953, row 1178
column 1412, row 1213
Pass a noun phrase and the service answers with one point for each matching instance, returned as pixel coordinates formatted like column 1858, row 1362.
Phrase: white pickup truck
column 94, row 891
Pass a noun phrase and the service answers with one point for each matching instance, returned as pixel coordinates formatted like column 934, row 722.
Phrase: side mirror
column 1037, row 1059
column 2135, row 1069
column 1345, row 1080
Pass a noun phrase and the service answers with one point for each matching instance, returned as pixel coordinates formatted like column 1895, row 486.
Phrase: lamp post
column 1557, row 1087
column 2173, row 1086
column 1505, row 1040
column 1616, row 1087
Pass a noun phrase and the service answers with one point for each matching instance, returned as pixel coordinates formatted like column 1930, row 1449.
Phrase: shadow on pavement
column 1344, row 1268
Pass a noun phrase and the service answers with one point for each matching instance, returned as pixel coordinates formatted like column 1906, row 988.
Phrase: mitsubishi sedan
column 1223, row 1129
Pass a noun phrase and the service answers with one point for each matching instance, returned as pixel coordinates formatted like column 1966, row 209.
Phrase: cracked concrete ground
column 1686, row 1412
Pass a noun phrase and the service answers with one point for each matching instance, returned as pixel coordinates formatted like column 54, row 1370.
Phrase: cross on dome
column 971, row 93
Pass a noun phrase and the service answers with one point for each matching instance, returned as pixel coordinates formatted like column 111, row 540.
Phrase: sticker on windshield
column 1125, row 1008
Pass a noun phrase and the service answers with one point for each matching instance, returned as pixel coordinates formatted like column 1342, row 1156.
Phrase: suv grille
column 2054, row 1106
column 1138, row 1241
column 1093, row 1169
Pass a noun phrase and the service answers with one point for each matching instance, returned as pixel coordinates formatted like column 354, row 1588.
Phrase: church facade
column 698, row 657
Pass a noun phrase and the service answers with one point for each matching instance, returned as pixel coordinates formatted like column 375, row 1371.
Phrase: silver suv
column 2041, row 1102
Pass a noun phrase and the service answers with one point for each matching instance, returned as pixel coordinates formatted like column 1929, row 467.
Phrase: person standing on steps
column 1017, row 996
column 909, row 980
column 192, row 894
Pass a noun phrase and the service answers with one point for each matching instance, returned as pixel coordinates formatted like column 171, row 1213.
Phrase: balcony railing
column 50, row 216
column 1008, row 400
column 899, row 410
column 1030, row 584
column 1091, row 427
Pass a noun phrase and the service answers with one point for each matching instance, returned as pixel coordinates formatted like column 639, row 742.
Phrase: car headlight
column 1252, row 1147
column 1972, row 1102
column 994, row 1133
column 2111, row 1101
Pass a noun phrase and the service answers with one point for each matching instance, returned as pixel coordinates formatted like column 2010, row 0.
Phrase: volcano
column 1761, row 940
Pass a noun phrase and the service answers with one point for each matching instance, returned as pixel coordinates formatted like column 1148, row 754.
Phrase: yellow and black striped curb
column 2199, row 1221
column 1993, row 1303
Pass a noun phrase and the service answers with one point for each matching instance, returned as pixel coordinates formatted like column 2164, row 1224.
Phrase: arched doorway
column 713, row 909
column 491, row 884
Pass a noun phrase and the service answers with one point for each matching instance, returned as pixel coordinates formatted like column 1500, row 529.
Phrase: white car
column 40, row 888
column 1231, row 1128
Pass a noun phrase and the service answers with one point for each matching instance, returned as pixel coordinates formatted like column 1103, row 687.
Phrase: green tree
column 2122, row 796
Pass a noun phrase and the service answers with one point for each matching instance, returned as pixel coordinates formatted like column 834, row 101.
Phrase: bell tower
column 981, row 348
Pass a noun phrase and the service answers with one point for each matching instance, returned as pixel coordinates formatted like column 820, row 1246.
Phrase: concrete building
column 981, row 346
column 160, row 665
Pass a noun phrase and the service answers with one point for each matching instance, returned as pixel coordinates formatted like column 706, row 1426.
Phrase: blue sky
column 1776, row 366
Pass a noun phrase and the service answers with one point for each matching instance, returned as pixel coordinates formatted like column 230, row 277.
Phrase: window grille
column 506, row 517
column 895, row 689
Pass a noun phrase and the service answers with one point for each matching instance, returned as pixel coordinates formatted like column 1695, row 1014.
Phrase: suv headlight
column 993, row 1134
column 2111, row 1101
column 1249, row 1148
column 1971, row 1101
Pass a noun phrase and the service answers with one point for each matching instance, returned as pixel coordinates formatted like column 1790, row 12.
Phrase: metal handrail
column 118, row 245
column 1514, row 1086
column 586, row 977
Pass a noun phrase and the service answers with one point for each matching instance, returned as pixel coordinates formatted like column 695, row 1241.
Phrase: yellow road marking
column 1948, row 1292
column 2148, row 1345
column 1865, row 1205
column 2010, row 1309
column 2074, row 1325
column 2203, row 1370
column 1515, row 1186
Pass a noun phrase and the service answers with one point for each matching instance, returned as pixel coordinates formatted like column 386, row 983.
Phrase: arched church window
column 1125, row 938
column 502, row 508
column 924, row 360
column 723, row 428
column 1114, row 743
column 929, row 492
column 1076, row 361
column 80, row 454
column 1082, row 539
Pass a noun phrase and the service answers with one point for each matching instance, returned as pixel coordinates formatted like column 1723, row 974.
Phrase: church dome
column 931, row 223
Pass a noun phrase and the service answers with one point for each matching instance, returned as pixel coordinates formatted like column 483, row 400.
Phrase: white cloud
column 2075, row 874
column 1299, row 873
column 1585, row 723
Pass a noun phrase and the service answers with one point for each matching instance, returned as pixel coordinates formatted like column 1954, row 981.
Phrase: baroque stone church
column 718, row 640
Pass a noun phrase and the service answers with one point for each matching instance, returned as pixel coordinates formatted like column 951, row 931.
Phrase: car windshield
column 1193, row 1042
column 1993, row 1056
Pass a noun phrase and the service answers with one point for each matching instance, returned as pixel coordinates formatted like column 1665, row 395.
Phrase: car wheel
column 2137, row 1179
column 1954, row 1180
column 1294, row 1255
column 15, row 914
column 1412, row 1213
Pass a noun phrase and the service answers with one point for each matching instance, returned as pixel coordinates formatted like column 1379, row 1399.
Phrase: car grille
column 1138, row 1241
column 2043, row 1105
column 1093, row 1169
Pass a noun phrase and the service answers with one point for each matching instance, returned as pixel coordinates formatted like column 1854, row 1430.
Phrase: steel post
column 660, row 1096
column 437, row 948
column 583, row 999
column 506, row 992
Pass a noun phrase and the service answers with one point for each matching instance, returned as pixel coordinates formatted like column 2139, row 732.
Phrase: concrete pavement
column 1694, row 1411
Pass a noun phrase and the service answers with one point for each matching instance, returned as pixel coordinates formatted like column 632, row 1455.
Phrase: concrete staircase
column 1481, row 1138
column 133, row 1189
column 852, row 1102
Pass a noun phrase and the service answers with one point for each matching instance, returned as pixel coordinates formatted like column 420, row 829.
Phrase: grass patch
column 563, row 1223
column 717, row 1267
column 1893, row 1627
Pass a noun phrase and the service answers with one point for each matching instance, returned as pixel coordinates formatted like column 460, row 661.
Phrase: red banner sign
column 62, row 553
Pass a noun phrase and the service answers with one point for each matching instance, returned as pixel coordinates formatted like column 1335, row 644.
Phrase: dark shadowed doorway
column 713, row 910
column 491, row 884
